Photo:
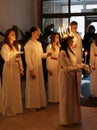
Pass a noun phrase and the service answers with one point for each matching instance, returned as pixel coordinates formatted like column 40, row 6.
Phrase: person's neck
column 73, row 31
column 33, row 39
column 11, row 41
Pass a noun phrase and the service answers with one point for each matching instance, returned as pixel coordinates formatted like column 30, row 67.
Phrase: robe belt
column 95, row 54
column 54, row 58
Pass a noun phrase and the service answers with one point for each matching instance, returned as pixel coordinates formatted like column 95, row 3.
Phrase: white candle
column 60, row 31
column 19, row 47
column 69, row 29
column 86, row 56
column 50, row 46
column 64, row 28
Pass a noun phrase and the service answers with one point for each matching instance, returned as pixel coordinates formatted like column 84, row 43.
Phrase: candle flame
column 86, row 53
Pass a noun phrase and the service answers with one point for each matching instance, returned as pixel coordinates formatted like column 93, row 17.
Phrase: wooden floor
column 48, row 119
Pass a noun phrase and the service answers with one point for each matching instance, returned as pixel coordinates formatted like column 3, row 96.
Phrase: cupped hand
column 33, row 75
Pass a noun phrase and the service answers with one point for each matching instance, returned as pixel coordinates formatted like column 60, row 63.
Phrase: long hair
column 65, row 44
column 53, row 39
column 91, row 27
column 7, row 41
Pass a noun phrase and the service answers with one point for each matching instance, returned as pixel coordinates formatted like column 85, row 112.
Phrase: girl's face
column 57, row 38
column 12, row 36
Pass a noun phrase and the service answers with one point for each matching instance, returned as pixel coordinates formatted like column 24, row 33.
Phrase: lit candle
column 19, row 47
column 49, row 50
column 60, row 32
column 86, row 56
column 50, row 46
column 64, row 28
column 69, row 29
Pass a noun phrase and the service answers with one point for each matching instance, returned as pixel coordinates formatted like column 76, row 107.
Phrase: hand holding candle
column 19, row 52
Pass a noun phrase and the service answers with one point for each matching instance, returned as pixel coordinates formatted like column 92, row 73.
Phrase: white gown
column 53, row 81
column 69, row 106
column 78, row 53
column 35, row 88
column 1, row 107
column 93, row 74
column 11, row 82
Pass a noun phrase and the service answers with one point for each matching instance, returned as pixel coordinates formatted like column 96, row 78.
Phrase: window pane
column 58, row 23
column 95, row 25
column 91, row 8
column 81, row 26
column 83, row 6
column 92, row 20
column 52, row 6
column 76, row 8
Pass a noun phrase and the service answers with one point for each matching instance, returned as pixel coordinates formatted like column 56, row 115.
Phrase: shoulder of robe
column 39, row 42
column 78, row 34
column 27, row 44
column 93, row 44
column 63, row 52
column 5, row 46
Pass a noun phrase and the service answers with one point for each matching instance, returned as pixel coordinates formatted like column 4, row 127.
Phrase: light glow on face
column 74, row 28
column 12, row 36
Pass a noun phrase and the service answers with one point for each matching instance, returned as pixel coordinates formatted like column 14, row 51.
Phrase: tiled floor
column 85, row 86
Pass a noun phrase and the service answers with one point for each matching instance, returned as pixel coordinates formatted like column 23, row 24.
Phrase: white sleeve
column 92, row 57
column 7, row 55
column 28, row 54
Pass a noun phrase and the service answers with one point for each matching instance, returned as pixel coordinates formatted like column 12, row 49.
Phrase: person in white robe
column 1, row 104
column 11, row 81
column 69, row 104
column 35, row 87
column 53, row 68
column 93, row 64
column 77, row 49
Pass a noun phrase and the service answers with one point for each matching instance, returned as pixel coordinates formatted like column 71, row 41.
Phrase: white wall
column 22, row 13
